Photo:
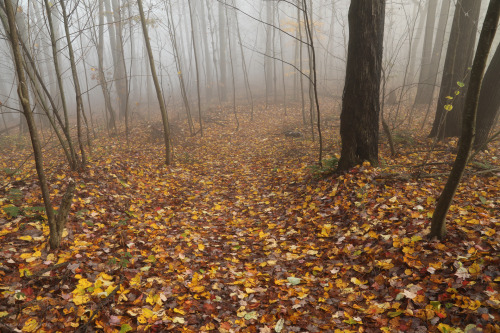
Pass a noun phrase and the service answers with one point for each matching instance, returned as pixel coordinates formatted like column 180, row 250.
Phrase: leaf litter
column 239, row 235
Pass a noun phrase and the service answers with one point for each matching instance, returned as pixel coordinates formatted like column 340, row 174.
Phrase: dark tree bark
column 361, row 103
column 438, row 225
column 458, row 60
column 489, row 102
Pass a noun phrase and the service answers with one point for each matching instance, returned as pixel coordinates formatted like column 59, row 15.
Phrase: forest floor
column 241, row 234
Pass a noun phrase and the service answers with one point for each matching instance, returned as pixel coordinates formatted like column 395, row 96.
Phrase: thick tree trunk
column 489, row 102
column 438, row 224
column 458, row 60
column 361, row 103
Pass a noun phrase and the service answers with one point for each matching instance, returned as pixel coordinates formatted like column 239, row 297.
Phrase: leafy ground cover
column 241, row 234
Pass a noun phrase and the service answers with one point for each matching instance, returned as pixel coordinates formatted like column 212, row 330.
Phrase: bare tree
column 163, row 109
column 57, row 221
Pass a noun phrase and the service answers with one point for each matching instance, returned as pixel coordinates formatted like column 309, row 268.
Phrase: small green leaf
column 483, row 199
column 448, row 107
column 460, row 84
column 457, row 92
column 125, row 328
column 449, row 97
column 436, row 305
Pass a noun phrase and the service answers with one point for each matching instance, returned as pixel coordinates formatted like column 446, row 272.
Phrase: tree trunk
column 56, row 223
column 438, row 224
column 79, row 102
column 55, row 57
column 458, row 60
column 196, row 67
column 222, row 46
column 163, row 109
column 425, row 75
column 206, row 53
column 361, row 103
column 102, row 76
column 489, row 102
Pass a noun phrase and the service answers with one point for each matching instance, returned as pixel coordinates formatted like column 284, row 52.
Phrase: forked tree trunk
column 56, row 222
column 438, row 224
column 361, row 103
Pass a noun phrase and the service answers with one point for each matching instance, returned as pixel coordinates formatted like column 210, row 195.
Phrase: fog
column 258, row 45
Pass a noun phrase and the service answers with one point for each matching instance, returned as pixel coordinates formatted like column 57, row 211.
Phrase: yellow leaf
column 25, row 255
column 30, row 325
column 443, row 328
column 201, row 247
column 198, row 289
column 3, row 314
column 358, row 282
column 147, row 313
column 25, row 238
column 178, row 320
column 474, row 268
column 136, row 280
column 180, row 311
column 84, row 284
column 490, row 232
column 80, row 299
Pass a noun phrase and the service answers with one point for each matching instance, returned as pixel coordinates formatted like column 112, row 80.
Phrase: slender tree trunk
column 56, row 222
column 214, row 56
column 122, row 85
column 206, row 53
column 232, row 72
column 102, row 76
column 438, row 224
column 76, row 163
column 489, row 102
column 301, row 60
column 180, row 69
column 79, row 102
column 163, row 109
column 222, row 50
column 425, row 74
column 196, row 67
column 244, row 65
column 458, row 60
